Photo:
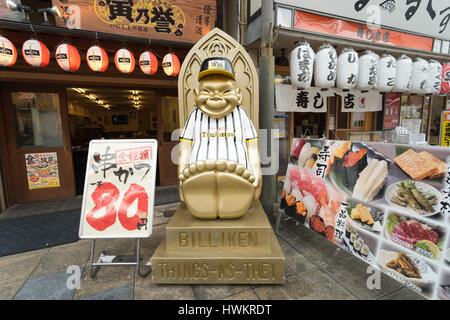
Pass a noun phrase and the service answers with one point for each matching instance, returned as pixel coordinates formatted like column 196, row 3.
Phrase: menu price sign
column 119, row 189
column 386, row 204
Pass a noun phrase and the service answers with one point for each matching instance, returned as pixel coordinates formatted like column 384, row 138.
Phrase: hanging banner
column 289, row 99
column 391, row 117
column 176, row 20
column 357, row 101
column 42, row 170
column 119, row 189
column 351, row 30
column 445, row 129
column 387, row 204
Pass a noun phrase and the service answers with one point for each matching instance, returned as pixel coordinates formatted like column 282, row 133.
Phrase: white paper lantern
column 8, row 53
column 97, row 59
column 387, row 67
column 347, row 69
column 35, row 53
column 301, row 65
column 171, row 65
column 433, row 86
column 124, row 61
column 403, row 74
column 325, row 67
column 368, row 70
column 419, row 76
column 148, row 63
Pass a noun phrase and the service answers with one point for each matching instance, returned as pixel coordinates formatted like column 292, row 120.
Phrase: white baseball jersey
column 223, row 138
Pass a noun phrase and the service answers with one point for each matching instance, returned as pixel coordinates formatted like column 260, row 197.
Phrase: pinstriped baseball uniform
column 223, row 138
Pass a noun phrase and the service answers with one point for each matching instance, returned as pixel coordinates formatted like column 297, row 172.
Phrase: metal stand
column 117, row 261
column 277, row 223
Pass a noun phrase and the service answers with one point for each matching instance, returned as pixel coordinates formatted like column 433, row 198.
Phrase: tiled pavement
column 315, row 269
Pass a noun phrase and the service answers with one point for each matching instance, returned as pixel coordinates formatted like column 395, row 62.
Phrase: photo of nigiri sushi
column 359, row 171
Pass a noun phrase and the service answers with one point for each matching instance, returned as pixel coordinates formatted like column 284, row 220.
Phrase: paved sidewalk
column 315, row 269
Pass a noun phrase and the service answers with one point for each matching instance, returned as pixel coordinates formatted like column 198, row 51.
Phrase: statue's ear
column 239, row 95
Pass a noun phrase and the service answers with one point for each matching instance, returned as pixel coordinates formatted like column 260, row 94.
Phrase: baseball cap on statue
column 216, row 65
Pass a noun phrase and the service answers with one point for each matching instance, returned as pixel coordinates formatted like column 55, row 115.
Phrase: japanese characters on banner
column 119, row 189
column 357, row 101
column 347, row 69
column 174, row 20
column 289, row 99
column 387, row 204
column 403, row 74
column 325, row 67
column 301, row 65
column 42, row 170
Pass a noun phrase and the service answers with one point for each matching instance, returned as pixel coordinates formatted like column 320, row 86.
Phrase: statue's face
column 217, row 95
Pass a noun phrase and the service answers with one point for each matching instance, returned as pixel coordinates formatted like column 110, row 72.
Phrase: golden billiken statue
column 219, row 168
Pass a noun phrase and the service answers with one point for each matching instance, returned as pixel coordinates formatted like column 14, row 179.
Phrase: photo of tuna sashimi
column 308, row 199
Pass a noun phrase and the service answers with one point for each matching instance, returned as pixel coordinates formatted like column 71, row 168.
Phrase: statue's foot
column 219, row 188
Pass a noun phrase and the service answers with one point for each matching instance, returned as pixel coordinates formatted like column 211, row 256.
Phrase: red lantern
column 445, row 84
column 8, row 53
column 171, row 65
column 124, row 61
column 148, row 63
column 97, row 59
column 35, row 53
column 68, row 57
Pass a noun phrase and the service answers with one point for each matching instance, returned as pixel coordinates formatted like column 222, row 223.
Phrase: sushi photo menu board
column 387, row 204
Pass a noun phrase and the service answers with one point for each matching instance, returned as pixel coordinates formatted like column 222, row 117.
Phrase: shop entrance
column 39, row 162
column 96, row 113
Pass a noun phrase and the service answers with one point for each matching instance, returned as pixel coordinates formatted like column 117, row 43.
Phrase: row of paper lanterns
column 68, row 58
column 366, row 72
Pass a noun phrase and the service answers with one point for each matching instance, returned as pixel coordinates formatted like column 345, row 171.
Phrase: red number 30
column 105, row 195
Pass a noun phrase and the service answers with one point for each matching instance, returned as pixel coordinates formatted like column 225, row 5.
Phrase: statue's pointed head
column 217, row 94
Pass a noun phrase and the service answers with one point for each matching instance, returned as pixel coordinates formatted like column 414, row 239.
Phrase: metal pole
column 266, row 98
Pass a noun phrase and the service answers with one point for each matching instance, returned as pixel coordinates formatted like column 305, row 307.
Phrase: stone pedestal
column 198, row 251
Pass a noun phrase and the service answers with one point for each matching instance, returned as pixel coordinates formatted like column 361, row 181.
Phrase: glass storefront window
column 38, row 120
column 170, row 116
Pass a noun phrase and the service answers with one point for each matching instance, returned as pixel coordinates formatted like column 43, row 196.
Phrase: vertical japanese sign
column 445, row 129
column 175, row 20
column 391, row 110
column 119, row 189
column 42, row 170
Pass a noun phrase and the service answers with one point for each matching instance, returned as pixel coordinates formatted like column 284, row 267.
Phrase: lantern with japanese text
column 8, row 53
column 433, row 85
column 97, row 59
column 67, row 57
column 35, row 53
column 445, row 81
column 403, row 74
column 148, row 63
column 124, row 61
column 368, row 70
column 419, row 76
column 347, row 69
column 325, row 66
column 387, row 67
column 301, row 65
column 171, row 65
